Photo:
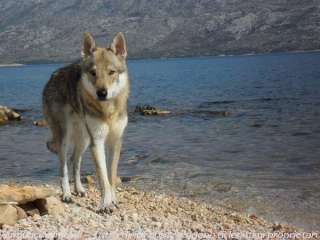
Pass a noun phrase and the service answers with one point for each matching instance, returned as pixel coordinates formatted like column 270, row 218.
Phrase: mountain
column 51, row 30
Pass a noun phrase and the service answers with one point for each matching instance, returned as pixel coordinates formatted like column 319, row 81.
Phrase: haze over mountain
column 51, row 30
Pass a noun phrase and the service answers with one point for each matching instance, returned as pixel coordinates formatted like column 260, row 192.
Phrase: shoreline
column 141, row 215
column 218, row 55
column 12, row 65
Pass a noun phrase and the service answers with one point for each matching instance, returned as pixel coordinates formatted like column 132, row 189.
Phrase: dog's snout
column 102, row 94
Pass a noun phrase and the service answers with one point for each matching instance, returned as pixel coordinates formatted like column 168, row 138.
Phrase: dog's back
column 61, row 91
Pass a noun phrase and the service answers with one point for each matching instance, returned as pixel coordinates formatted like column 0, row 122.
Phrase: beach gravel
column 141, row 215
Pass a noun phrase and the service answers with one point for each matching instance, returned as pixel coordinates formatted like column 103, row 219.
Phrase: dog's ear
column 88, row 45
column 119, row 46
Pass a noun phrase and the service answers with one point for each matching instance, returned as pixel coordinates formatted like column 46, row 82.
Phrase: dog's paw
column 107, row 210
column 66, row 198
column 108, row 202
column 81, row 193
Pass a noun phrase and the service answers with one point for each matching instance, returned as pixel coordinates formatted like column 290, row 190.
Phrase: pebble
column 135, row 217
column 36, row 217
column 154, row 219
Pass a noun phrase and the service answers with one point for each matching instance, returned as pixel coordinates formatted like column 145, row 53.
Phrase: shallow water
column 264, row 158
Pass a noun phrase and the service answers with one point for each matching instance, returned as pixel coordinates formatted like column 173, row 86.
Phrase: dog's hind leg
column 52, row 146
column 81, row 144
column 63, row 156
column 54, row 143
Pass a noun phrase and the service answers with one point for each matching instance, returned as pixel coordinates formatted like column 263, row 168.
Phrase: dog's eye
column 111, row 72
column 93, row 72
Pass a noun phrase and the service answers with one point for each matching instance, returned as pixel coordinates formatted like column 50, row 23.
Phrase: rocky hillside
column 51, row 30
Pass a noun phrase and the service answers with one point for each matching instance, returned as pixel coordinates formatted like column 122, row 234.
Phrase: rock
column 141, row 108
column 21, row 213
column 36, row 217
column 253, row 216
column 23, row 195
column 8, row 215
column 194, row 217
column 157, row 224
column 54, row 207
column 124, row 217
column 19, row 202
column 129, row 178
column 276, row 227
column 7, row 227
column 28, row 201
column 149, row 110
column 135, row 217
column 33, row 212
column 153, row 218
column 210, row 113
column 197, row 227
column 8, row 114
column 40, row 123
column 155, row 112
column 90, row 181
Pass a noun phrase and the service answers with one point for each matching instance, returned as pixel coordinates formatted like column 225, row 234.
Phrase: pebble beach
column 142, row 215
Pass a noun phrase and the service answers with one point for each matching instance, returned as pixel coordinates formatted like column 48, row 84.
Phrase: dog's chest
column 98, row 129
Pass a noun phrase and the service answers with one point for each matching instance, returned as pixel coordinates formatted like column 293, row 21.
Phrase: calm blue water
column 264, row 158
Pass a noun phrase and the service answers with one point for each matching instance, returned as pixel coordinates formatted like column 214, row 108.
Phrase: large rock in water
column 8, row 114
column 150, row 110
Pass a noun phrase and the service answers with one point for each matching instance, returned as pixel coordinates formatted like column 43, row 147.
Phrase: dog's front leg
column 98, row 132
column 99, row 158
column 114, row 142
column 114, row 148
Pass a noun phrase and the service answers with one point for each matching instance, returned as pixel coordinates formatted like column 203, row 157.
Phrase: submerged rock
column 8, row 114
column 124, row 179
column 40, row 123
column 150, row 110
column 210, row 113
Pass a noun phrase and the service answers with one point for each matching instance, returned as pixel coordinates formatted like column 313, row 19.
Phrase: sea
column 244, row 132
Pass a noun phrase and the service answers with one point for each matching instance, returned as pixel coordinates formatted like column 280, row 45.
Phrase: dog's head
column 104, row 70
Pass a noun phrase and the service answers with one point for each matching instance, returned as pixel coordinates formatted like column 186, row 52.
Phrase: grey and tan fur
column 85, row 105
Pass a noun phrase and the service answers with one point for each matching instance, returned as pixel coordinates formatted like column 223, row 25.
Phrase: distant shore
column 11, row 65
column 227, row 54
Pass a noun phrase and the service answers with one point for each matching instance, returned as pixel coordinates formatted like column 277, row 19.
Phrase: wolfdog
column 85, row 105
